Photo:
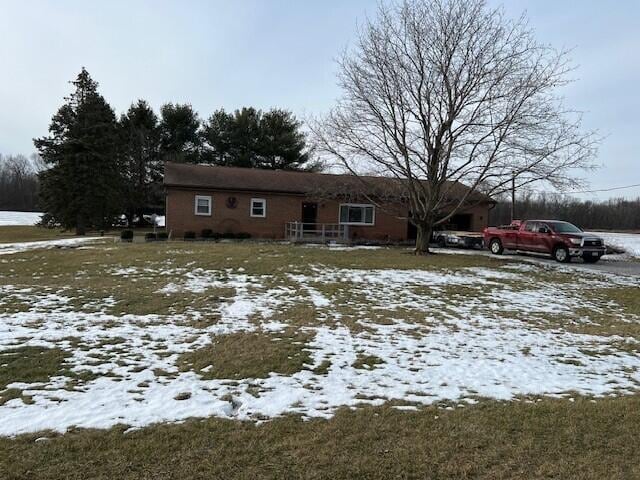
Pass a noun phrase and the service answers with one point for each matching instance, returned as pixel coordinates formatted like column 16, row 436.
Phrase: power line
column 607, row 189
column 533, row 190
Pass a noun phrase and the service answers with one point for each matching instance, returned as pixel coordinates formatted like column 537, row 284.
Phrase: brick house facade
column 263, row 202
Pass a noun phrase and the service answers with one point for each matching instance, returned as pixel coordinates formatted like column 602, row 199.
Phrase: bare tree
column 19, row 181
column 442, row 92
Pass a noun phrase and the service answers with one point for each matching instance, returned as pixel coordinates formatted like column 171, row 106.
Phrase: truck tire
column 442, row 243
column 561, row 254
column 495, row 246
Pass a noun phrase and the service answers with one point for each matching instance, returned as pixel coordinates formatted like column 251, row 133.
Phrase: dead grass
column 28, row 365
column 367, row 362
column 248, row 355
column 12, row 393
column 493, row 440
column 12, row 234
column 32, row 233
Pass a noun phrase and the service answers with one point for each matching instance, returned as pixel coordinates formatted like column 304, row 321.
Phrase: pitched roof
column 284, row 181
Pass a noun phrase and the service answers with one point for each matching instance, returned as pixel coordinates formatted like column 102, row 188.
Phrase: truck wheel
column 561, row 254
column 495, row 246
column 442, row 243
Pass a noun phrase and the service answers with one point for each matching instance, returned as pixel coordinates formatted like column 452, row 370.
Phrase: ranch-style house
column 278, row 204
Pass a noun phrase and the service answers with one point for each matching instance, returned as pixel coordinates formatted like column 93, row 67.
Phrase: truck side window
column 529, row 227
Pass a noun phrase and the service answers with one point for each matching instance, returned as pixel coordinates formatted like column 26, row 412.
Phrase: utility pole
column 513, row 197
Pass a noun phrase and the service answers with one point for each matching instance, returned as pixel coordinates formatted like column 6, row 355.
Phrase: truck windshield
column 564, row 227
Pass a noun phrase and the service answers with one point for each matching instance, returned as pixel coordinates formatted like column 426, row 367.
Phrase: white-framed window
column 258, row 207
column 203, row 205
column 357, row 214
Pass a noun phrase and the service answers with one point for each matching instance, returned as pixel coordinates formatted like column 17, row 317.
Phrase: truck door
column 510, row 239
column 527, row 236
column 543, row 238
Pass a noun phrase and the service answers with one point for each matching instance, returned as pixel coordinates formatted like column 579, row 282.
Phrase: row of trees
column 19, row 182
column 613, row 214
column 245, row 138
column 100, row 166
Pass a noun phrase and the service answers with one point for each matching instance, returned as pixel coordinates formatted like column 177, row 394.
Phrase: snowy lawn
column 378, row 350
column 140, row 334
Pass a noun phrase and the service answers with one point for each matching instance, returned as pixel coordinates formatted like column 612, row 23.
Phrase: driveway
column 616, row 264
column 621, row 266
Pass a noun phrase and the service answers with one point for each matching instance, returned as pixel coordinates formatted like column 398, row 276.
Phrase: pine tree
column 251, row 138
column 180, row 133
column 282, row 144
column 244, row 137
column 216, row 137
column 140, row 157
column 81, row 187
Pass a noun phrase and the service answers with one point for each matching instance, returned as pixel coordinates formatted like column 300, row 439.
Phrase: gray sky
column 280, row 53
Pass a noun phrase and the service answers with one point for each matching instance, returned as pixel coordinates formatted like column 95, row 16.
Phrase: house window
column 258, row 207
column 203, row 205
column 357, row 214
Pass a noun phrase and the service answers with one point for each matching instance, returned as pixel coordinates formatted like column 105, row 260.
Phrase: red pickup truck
column 560, row 239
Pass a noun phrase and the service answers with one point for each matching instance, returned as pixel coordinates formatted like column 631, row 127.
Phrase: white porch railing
column 316, row 232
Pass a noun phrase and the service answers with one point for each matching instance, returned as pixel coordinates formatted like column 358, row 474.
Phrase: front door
column 309, row 215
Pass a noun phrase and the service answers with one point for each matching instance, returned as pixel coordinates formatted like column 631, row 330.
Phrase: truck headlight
column 576, row 241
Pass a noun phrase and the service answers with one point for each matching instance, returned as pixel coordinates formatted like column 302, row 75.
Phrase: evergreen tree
column 216, row 137
column 282, row 144
column 140, row 157
column 81, row 187
column 179, row 133
column 249, row 138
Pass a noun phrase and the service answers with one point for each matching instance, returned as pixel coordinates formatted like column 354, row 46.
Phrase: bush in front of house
column 228, row 235
column 243, row 236
column 162, row 236
column 150, row 237
column 126, row 235
column 189, row 235
column 206, row 233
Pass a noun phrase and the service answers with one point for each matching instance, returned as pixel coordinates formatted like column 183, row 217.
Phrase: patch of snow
column 9, row 248
column 629, row 242
column 8, row 218
column 339, row 246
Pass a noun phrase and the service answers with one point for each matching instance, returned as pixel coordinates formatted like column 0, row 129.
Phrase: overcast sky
column 280, row 53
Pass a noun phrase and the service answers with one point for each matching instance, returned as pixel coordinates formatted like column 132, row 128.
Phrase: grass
column 87, row 278
column 32, row 233
column 11, row 234
column 493, row 440
column 28, row 365
column 367, row 362
column 248, row 355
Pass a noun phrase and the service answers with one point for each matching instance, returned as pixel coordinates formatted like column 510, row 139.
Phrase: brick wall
column 280, row 209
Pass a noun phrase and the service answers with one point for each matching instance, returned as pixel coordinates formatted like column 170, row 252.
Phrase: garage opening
column 461, row 222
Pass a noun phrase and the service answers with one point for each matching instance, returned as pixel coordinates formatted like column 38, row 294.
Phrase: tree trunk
column 423, row 238
column 80, row 225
